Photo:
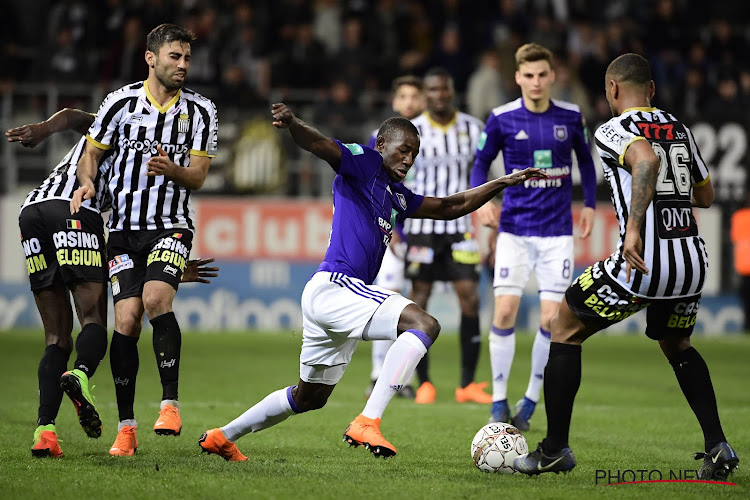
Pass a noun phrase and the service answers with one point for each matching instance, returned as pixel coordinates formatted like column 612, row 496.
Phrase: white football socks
column 502, row 350
column 398, row 367
column 379, row 350
column 539, row 357
column 130, row 421
column 275, row 408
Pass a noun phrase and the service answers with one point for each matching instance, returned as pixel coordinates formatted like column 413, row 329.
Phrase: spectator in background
column 568, row 87
column 303, row 59
column 726, row 105
column 339, row 116
column 740, row 233
column 204, row 60
column 124, row 60
column 353, row 60
column 451, row 56
column 64, row 63
column 485, row 89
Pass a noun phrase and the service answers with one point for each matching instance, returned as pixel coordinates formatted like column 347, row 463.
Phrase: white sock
column 130, row 421
column 379, row 350
column 172, row 402
column 274, row 408
column 398, row 367
column 502, row 350
column 539, row 357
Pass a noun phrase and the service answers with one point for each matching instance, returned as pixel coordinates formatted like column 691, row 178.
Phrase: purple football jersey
column 538, row 207
column 367, row 204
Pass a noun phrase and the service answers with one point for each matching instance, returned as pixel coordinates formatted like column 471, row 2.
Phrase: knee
column 429, row 325
column 470, row 303
column 672, row 347
column 155, row 304
column 505, row 313
column 128, row 324
column 62, row 340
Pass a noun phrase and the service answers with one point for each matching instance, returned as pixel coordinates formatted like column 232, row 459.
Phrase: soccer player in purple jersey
column 536, row 226
column 408, row 102
column 340, row 306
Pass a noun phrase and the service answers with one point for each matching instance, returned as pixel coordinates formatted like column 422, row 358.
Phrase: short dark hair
column 438, row 71
column 166, row 34
column 410, row 80
column 630, row 68
column 532, row 52
column 396, row 124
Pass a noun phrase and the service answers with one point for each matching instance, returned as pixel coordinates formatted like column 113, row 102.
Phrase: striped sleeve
column 206, row 132
column 699, row 174
column 108, row 119
column 614, row 139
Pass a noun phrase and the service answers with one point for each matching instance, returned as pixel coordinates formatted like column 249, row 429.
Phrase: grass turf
column 629, row 416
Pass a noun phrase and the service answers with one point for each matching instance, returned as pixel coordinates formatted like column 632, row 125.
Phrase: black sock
column 423, row 368
column 562, row 377
column 123, row 356
column 695, row 382
column 470, row 343
column 167, row 344
column 53, row 364
column 91, row 345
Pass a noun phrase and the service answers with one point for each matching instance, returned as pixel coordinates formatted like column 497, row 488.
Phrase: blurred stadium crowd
column 337, row 57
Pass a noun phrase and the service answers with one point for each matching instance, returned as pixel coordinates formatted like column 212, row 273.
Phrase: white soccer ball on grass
column 496, row 446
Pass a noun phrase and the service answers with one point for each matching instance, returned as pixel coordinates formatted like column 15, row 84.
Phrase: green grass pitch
column 629, row 415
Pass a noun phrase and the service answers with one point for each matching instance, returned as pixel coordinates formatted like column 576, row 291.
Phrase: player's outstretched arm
column 86, row 173
column 66, row 119
column 306, row 136
column 644, row 167
column 465, row 202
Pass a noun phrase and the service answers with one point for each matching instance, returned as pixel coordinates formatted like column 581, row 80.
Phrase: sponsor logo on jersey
column 136, row 119
column 356, row 149
column 149, row 147
column 120, row 262
column 482, row 140
column 561, row 132
column 115, row 287
column 543, row 158
column 611, row 134
column 675, row 219
column 172, row 271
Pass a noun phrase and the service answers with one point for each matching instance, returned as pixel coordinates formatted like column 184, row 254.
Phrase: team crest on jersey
column 136, row 119
column 183, row 124
column 401, row 200
column 561, row 132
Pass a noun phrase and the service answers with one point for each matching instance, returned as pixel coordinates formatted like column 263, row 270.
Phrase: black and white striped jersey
column 443, row 167
column 62, row 181
column 674, row 252
column 187, row 125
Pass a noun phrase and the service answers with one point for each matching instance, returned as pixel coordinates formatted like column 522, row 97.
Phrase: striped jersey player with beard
column 656, row 176
column 166, row 137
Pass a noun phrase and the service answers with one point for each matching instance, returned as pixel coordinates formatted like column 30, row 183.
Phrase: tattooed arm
column 644, row 167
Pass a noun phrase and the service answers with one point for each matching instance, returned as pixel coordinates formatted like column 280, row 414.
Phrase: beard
column 167, row 82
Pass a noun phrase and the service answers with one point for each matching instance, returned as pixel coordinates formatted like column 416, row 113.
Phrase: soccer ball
column 496, row 446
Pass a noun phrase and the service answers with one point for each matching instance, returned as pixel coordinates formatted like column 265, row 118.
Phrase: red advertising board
column 294, row 230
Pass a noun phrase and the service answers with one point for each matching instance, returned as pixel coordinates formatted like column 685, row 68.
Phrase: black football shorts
column 599, row 301
column 442, row 257
column 140, row 256
column 58, row 245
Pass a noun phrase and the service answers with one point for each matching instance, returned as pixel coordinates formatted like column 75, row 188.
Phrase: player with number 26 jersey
column 672, row 248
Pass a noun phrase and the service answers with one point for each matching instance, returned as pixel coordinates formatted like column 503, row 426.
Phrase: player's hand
column 282, row 115
column 161, row 164
column 196, row 271
column 631, row 251
column 487, row 215
column 28, row 135
column 517, row 178
column 586, row 222
column 80, row 195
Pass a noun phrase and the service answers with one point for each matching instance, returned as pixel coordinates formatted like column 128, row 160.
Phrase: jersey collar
column 436, row 125
column 641, row 108
column 161, row 109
